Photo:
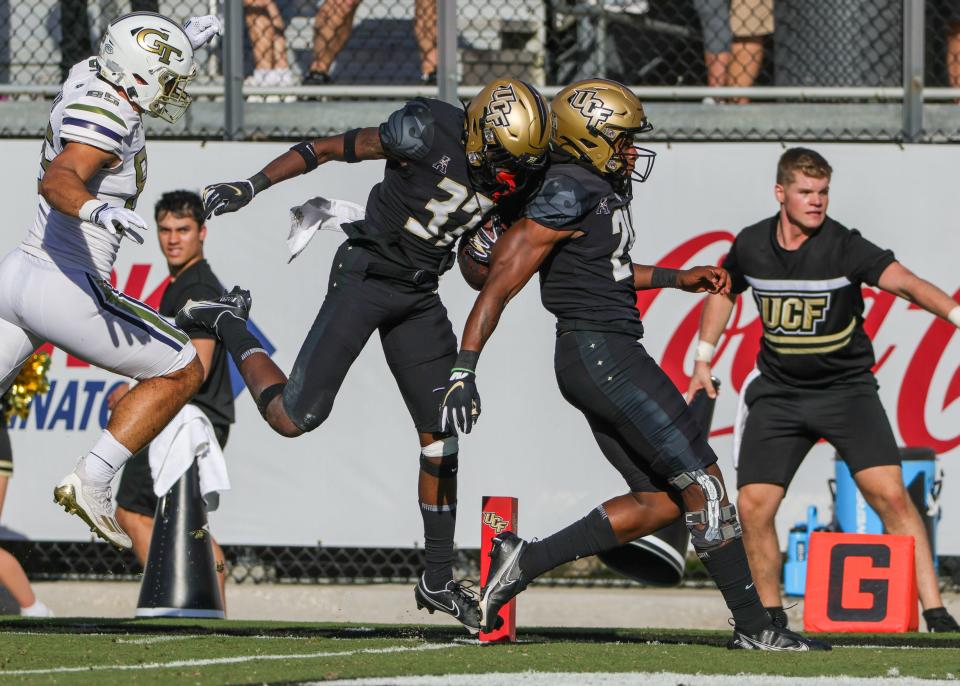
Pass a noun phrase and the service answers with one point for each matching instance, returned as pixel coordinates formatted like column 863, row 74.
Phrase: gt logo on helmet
column 157, row 46
column 591, row 107
column 501, row 103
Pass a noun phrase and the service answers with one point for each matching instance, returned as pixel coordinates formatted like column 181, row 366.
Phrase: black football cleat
column 505, row 578
column 209, row 313
column 939, row 620
column 454, row 599
column 776, row 639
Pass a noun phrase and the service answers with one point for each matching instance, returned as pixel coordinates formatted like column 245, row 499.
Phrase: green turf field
column 104, row 652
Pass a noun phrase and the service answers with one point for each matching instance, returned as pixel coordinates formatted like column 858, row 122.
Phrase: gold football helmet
column 507, row 134
column 594, row 121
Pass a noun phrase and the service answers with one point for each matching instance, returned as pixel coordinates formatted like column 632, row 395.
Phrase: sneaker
column 37, row 610
column 940, row 621
column 455, row 599
column 505, row 578
column 316, row 78
column 774, row 638
column 207, row 313
column 428, row 78
column 94, row 505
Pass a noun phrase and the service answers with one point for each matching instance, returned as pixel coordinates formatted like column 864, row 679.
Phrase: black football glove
column 221, row 198
column 480, row 244
column 461, row 399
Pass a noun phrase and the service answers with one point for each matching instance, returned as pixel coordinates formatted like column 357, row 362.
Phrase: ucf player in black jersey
column 446, row 170
column 577, row 232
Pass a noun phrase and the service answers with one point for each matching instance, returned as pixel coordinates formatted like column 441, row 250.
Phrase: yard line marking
column 146, row 640
column 229, row 660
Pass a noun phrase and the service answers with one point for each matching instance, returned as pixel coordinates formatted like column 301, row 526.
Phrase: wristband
column 705, row 351
column 260, row 182
column 953, row 316
column 664, row 278
column 90, row 207
column 467, row 361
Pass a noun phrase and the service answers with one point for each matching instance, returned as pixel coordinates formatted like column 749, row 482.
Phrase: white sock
column 104, row 461
column 38, row 609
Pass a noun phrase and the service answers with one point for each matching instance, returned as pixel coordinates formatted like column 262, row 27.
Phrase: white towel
column 189, row 436
column 316, row 214
column 740, row 423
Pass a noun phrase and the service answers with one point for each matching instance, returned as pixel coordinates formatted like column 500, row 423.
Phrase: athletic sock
column 238, row 340
column 728, row 567
column 439, row 524
column 588, row 536
column 106, row 458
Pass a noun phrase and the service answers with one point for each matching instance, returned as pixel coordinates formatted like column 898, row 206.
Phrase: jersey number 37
column 441, row 230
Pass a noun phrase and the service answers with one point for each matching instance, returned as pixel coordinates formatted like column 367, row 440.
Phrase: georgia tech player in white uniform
column 54, row 287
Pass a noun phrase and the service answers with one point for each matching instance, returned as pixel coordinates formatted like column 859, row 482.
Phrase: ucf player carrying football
column 577, row 232
column 55, row 286
column 445, row 171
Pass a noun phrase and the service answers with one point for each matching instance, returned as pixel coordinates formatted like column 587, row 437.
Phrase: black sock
column 237, row 339
column 730, row 572
column 439, row 524
column 588, row 536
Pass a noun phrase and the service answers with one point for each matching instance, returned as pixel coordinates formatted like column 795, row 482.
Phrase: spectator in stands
column 953, row 51
column 751, row 22
column 181, row 232
column 717, row 39
column 12, row 576
column 334, row 23
column 266, row 29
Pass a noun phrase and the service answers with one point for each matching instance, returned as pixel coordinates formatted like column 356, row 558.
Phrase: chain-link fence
column 708, row 69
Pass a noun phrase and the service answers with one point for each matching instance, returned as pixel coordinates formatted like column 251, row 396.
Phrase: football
column 473, row 270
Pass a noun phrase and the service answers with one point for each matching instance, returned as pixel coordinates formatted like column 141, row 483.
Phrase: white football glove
column 201, row 29
column 119, row 220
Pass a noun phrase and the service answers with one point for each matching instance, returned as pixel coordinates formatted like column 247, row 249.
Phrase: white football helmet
column 150, row 58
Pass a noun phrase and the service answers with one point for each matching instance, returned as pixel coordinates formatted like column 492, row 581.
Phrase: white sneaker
column 94, row 505
column 38, row 609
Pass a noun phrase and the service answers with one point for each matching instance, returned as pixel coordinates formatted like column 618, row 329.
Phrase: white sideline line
column 147, row 640
column 228, row 660
column 627, row 679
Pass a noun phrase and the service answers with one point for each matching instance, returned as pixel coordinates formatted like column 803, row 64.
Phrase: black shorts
column 6, row 450
column 135, row 490
column 641, row 422
column 783, row 423
column 417, row 337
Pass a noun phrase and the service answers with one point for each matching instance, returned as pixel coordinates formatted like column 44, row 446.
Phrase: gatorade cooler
column 923, row 480
column 795, row 569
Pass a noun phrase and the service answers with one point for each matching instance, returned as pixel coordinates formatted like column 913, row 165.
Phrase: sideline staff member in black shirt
column 181, row 232
column 815, row 379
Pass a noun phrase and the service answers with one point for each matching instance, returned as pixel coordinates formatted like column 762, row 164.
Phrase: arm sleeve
column 198, row 291
column 738, row 283
column 864, row 261
column 96, row 122
column 561, row 203
column 408, row 133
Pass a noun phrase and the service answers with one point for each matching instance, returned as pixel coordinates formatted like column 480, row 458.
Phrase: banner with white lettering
column 353, row 480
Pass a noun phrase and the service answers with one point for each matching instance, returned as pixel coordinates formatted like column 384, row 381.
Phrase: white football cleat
column 94, row 505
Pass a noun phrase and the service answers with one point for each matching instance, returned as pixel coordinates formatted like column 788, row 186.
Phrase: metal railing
column 708, row 69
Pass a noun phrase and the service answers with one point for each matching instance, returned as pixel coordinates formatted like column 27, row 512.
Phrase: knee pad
column 447, row 450
column 714, row 524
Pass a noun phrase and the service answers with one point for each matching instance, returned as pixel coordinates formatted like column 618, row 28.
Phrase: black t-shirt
column 427, row 198
column 587, row 281
column 809, row 301
column 198, row 282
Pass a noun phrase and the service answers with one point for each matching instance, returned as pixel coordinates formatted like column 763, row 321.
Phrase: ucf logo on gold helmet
column 591, row 107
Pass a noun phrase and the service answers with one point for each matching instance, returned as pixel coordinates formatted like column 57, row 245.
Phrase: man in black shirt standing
column 577, row 231
column 814, row 377
column 446, row 169
column 181, row 233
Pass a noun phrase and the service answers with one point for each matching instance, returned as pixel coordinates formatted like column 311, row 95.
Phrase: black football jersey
column 587, row 281
column 427, row 198
column 809, row 301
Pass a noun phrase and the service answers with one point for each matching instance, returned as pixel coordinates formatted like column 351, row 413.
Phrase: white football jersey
column 89, row 111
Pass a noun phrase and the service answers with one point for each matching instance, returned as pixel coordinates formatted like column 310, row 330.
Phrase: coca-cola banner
column 353, row 480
